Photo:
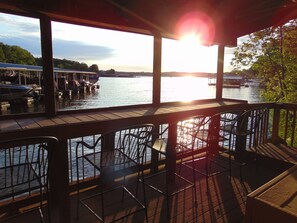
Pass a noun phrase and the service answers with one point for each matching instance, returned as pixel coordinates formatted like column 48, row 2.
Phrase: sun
column 188, row 55
column 190, row 40
column 192, row 56
column 196, row 23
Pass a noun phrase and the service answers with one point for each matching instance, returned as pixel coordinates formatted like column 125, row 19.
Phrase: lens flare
column 196, row 24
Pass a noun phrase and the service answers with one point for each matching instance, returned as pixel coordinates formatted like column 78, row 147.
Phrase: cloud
column 25, row 32
column 229, row 50
column 19, row 25
column 63, row 49
column 31, row 44
column 80, row 51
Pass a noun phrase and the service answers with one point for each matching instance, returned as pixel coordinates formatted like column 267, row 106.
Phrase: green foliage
column 110, row 71
column 15, row 54
column 18, row 55
column 271, row 55
column 70, row 65
column 94, row 68
column 2, row 55
column 287, row 127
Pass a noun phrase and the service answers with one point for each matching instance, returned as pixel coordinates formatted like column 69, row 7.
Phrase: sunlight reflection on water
column 138, row 90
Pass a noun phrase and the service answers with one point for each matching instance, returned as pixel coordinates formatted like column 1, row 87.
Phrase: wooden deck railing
column 281, row 126
column 285, row 124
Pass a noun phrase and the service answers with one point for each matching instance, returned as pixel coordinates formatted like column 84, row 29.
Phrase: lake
column 130, row 91
column 122, row 91
column 116, row 91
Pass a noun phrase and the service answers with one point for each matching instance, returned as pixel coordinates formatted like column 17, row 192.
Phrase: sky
column 109, row 49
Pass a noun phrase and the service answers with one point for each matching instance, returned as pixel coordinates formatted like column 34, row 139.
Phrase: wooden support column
column 157, row 70
column 48, row 68
column 276, row 120
column 220, row 72
column 59, row 184
column 171, row 152
column 157, row 61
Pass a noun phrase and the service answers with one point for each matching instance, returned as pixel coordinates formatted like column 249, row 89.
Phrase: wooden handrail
column 80, row 124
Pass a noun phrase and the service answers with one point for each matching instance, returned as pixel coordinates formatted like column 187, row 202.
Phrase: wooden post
column 59, row 184
column 154, row 154
column 156, row 89
column 48, row 68
column 220, row 72
column 171, row 153
column 275, row 124
column 157, row 70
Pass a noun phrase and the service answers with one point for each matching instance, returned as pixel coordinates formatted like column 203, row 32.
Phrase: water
column 130, row 91
column 138, row 90
column 115, row 91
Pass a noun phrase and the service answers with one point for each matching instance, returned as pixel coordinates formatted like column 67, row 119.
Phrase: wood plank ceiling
column 217, row 21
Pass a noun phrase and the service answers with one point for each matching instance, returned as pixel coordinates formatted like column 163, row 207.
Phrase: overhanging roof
column 24, row 67
column 221, row 21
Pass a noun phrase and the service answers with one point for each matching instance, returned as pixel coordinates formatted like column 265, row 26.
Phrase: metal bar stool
column 175, row 181
column 24, row 170
column 210, row 135
column 250, row 131
column 114, row 154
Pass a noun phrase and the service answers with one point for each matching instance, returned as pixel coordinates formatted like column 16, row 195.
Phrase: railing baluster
column 286, row 124
column 293, row 128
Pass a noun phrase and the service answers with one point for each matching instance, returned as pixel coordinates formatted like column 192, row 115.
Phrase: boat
column 232, row 82
column 228, row 81
column 12, row 92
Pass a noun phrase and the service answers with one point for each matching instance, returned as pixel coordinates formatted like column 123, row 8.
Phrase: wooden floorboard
column 225, row 202
column 279, row 151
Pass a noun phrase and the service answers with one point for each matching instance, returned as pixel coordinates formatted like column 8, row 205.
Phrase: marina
column 66, row 81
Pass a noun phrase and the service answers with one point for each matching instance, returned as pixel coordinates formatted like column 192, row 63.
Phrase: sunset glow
column 196, row 24
column 189, row 55
column 116, row 50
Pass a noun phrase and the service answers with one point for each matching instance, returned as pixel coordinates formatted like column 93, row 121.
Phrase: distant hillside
column 164, row 74
column 18, row 55
column 70, row 64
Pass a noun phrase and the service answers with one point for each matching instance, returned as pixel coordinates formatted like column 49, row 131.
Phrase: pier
column 66, row 81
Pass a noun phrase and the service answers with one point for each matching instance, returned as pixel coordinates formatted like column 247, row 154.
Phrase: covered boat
column 11, row 92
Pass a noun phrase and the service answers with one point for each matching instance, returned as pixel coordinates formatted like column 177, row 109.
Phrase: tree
column 94, row 68
column 2, row 54
column 271, row 54
column 15, row 54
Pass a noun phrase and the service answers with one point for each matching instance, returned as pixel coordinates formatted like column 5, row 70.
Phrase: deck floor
column 225, row 202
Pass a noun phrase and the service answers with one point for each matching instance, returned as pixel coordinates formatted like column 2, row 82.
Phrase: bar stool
column 250, row 131
column 114, row 154
column 212, row 136
column 175, row 181
column 24, row 169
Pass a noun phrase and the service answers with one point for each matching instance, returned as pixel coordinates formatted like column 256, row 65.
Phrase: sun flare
column 190, row 39
column 191, row 53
